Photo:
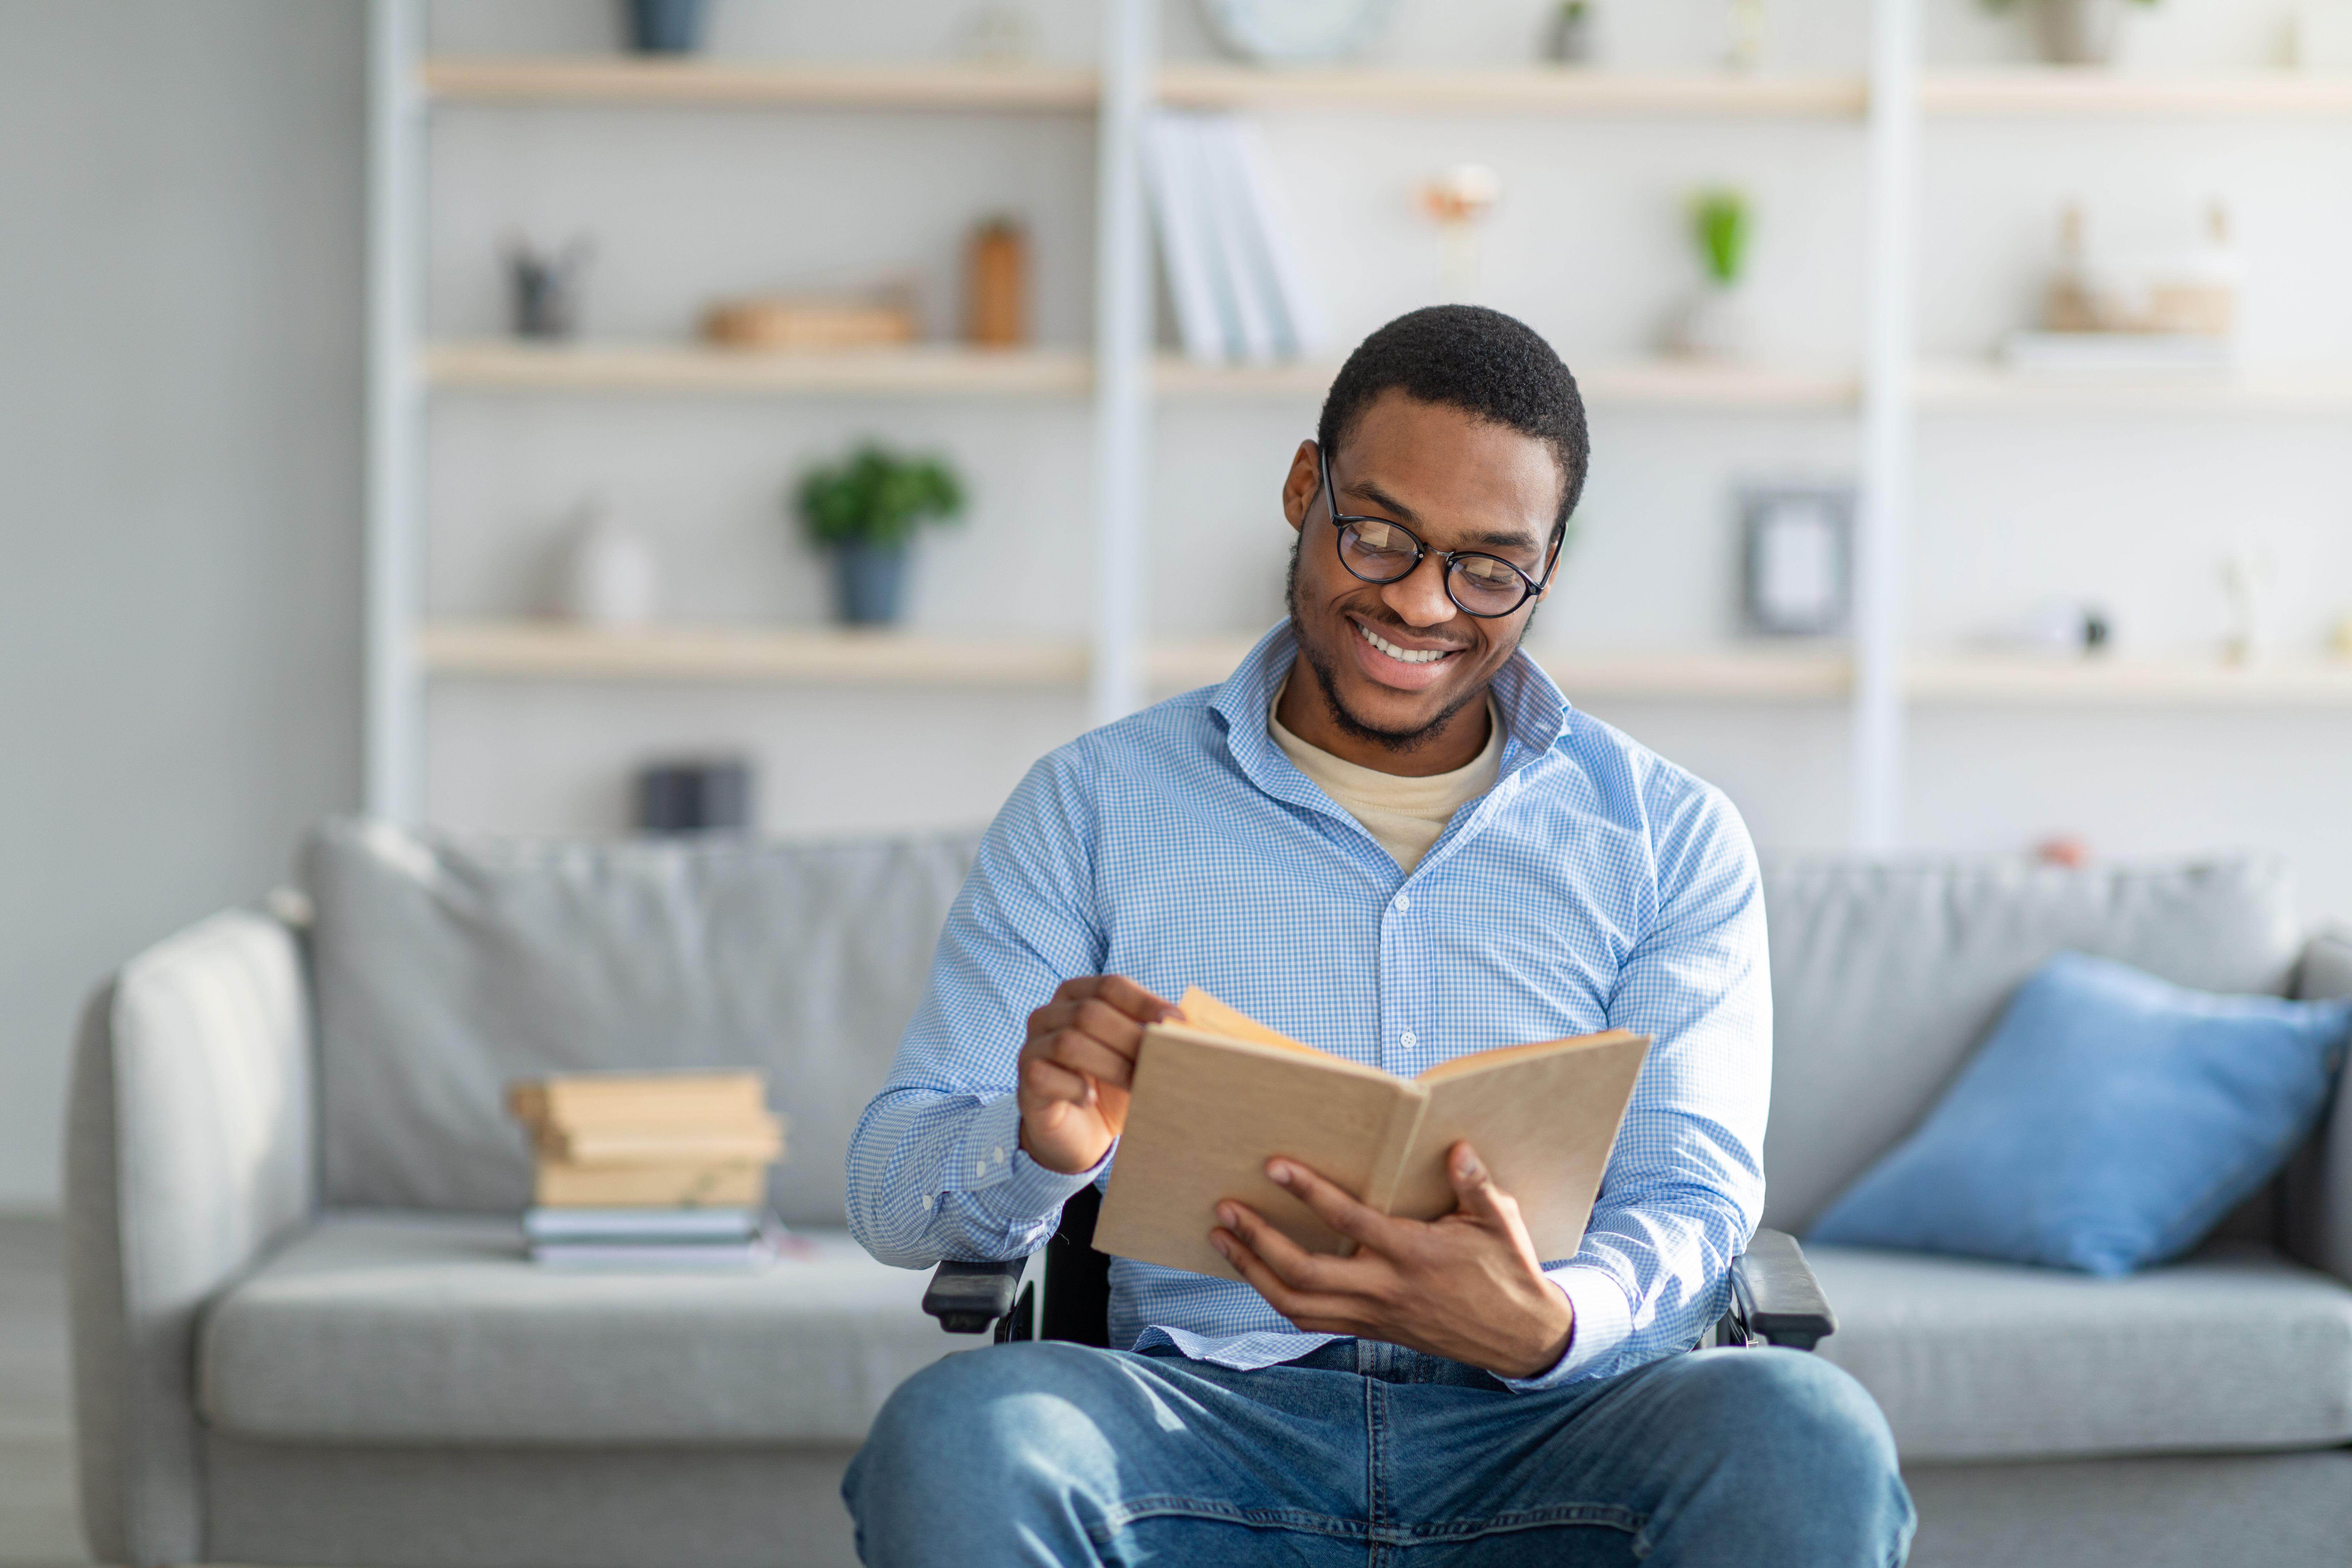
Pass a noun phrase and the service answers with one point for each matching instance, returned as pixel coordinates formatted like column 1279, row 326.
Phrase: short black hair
column 1491, row 366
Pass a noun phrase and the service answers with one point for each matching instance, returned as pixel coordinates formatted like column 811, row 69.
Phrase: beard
column 1322, row 664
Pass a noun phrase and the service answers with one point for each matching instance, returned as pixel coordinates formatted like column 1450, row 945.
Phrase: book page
column 1211, row 1017
column 1544, row 1118
column 1206, row 1115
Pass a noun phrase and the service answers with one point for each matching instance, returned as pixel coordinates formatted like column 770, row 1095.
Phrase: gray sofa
column 304, row 1331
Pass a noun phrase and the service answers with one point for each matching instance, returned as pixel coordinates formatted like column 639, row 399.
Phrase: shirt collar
column 1536, row 714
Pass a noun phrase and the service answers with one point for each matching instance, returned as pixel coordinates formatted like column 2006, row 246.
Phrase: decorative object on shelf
column 543, row 286
column 2066, row 849
column 998, row 36
column 1459, row 199
column 1797, row 554
column 2064, row 627
column 1713, row 323
column 700, row 794
column 1568, row 33
column 2321, row 38
column 2075, row 32
column 996, row 287
column 607, row 576
column 865, row 510
column 789, row 322
column 2148, row 311
column 2245, row 591
column 1752, row 21
column 1294, row 32
column 665, row 26
column 1235, row 267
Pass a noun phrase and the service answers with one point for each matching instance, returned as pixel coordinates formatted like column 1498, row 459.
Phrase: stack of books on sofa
column 649, row 1171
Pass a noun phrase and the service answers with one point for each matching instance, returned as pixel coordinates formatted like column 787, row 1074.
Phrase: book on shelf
column 1229, row 248
column 1218, row 1095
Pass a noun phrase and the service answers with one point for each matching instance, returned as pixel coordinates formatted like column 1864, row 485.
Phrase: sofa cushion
column 2110, row 1123
column 1886, row 974
column 393, row 1328
column 2230, row 1347
column 448, row 964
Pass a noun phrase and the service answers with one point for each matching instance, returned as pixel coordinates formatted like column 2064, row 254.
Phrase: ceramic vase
column 869, row 582
column 609, row 576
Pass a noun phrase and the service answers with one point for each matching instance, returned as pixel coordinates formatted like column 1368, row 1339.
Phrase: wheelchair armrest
column 966, row 1297
column 1774, row 1296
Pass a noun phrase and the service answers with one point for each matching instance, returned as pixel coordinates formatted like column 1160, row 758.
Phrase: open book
column 1220, row 1094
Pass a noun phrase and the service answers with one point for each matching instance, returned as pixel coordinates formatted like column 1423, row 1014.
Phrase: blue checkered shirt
column 1595, row 886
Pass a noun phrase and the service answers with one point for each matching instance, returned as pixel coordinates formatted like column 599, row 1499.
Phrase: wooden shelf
column 1970, row 386
column 925, row 371
column 557, row 649
column 714, row 83
column 1987, row 679
column 1566, row 92
column 2050, row 92
column 949, row 86
column 947, row 371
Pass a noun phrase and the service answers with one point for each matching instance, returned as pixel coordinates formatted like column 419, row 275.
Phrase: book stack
column 665, row 1170
column 1232, row 261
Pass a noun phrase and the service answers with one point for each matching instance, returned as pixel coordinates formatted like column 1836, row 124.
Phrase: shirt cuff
column 992, row 1167
column 1603, row 1322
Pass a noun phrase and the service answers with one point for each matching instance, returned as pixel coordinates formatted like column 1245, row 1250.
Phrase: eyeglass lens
column 1382, row 552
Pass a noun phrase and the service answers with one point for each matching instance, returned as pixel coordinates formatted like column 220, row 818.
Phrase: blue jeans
column 1365, row 1453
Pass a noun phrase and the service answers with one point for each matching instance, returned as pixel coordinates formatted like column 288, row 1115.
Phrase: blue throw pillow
column 2110, row 1121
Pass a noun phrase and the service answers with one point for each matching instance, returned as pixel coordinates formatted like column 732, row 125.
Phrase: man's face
column 1397, row 661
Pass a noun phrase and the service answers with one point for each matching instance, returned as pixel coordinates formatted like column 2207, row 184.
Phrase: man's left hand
column 1468, row 1286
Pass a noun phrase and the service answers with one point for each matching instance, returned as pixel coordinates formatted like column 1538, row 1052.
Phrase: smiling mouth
column 1402, row 655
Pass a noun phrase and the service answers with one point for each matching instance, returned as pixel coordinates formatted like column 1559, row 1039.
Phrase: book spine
column 1396, row 1144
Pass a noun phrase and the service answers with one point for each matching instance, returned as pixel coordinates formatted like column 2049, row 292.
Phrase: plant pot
column 1713, row 323
column 665, row 26
column 2080, row 32
column 869, row 581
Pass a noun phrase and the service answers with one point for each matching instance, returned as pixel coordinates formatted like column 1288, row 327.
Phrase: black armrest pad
column 1777, row 1294
column 966, row 1297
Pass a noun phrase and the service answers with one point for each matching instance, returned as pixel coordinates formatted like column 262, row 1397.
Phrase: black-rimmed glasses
column 1375, row 550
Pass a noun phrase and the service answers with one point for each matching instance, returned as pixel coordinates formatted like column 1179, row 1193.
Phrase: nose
column 1419, row 596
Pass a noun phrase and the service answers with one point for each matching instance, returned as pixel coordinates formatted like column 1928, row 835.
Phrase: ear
column 1299, row 487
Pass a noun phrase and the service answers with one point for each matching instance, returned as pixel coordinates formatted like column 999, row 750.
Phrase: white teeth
column 1402, row 655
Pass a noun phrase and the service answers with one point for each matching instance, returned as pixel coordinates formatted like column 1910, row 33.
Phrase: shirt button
column 1404, row 903
column 927, row 1201
column 1407, row 1040
column 996, row 1156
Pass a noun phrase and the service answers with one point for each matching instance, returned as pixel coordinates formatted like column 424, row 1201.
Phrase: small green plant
column 1719, row 223
column 876, row 496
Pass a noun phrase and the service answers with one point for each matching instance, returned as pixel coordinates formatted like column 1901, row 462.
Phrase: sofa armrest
column 2316, row 1195
column 1774, row 1296
column 969, row 1298
column 188, row 1152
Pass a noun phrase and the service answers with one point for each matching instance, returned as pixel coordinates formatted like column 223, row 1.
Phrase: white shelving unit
column 1117, row 663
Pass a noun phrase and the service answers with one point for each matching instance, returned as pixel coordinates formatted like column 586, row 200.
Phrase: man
column 1387, row 834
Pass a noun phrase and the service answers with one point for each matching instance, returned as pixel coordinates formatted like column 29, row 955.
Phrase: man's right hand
column 1077, row 1066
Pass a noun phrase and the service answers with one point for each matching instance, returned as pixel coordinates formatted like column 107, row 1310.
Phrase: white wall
column 179, row 412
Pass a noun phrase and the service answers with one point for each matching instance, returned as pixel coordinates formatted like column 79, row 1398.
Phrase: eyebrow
column 1492, row 539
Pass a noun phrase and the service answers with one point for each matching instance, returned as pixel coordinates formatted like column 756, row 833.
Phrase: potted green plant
column 865, row 510
column 2075, row 32
column 1714, row 322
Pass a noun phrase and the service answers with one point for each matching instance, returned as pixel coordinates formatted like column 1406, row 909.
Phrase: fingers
column 1314, row 1311
column 1333, row 1205
column 1119, row 992
column 1044, row 1082
column 1475, row 1190
column 1088, row 1032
